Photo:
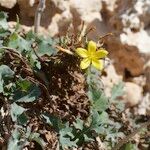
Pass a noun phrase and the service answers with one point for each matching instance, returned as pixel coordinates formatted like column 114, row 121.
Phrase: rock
column 147, row 75
column 8, row 3
column 127, row 59
column 25, row 29
column 144, row 106
column 131, row 21
column 132, row 93
column 110, row 79
column 140, row 80
column 136, row 39
column 27, row 12
column 31, row 2
column 88, row 10
column 111, row 5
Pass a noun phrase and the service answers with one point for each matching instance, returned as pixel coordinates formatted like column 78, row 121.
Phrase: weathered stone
column 147, row 75
column 110, row 79
column 8, row 3
column 132, row 93
column 127, row 59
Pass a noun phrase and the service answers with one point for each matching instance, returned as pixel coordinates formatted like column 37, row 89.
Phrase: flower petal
column 82, row 52
column 85, row 63
column 91, row 47
column 98, row 64
column 101, row 53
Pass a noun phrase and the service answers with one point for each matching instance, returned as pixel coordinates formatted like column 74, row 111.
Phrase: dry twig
column 38, row 15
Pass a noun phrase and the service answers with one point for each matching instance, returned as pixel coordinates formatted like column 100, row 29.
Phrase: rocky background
column 129, row 47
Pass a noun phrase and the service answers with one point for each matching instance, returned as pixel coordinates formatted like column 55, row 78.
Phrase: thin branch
column 38, row 15
column 16, row 54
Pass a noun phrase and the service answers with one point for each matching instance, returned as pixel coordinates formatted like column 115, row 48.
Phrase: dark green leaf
column 27, row 96
column 99, row 100
column 16, row 111
column 53, row 121
column 22, row 119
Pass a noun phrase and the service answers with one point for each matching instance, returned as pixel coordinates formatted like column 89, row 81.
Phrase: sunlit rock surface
column 8, row 3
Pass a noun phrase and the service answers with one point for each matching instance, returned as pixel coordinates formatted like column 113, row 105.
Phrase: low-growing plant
column 23, row 84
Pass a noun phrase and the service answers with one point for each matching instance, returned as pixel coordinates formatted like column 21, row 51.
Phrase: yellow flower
column 91, row 56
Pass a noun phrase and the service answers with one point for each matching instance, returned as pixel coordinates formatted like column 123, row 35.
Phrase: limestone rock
column 136, row 39
column 27, row 12
column 147, row 75
column 127, row 59
column 131, row 21
column 88, row 10
column 132, row 93
column 8, row 3
column 144, row 106
column 110, row 79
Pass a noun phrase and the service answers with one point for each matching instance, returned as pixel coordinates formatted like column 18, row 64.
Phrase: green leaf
column 34, row 62
column 53, row 121
column 5, row 73
column 16, row 111
column 117, row 91
column 30, row 36
column 24, row 45
column 4, row 33
column 24, row 84
column 13, row 40
column 17, row 42
column 3, row 20
column 17, row 25
column 87, row 139
column 130, row 146
column 65, row 132
column 66, row 143
column 13, row 143
column 22, row 119
column 65, row 136
column 98, row 120
column 104, row 117
column 99, row 100
column 27, row 96
column 78, row 124
column 45, row 47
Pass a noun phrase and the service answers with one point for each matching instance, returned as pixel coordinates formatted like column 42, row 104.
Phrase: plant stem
column 38, row 15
